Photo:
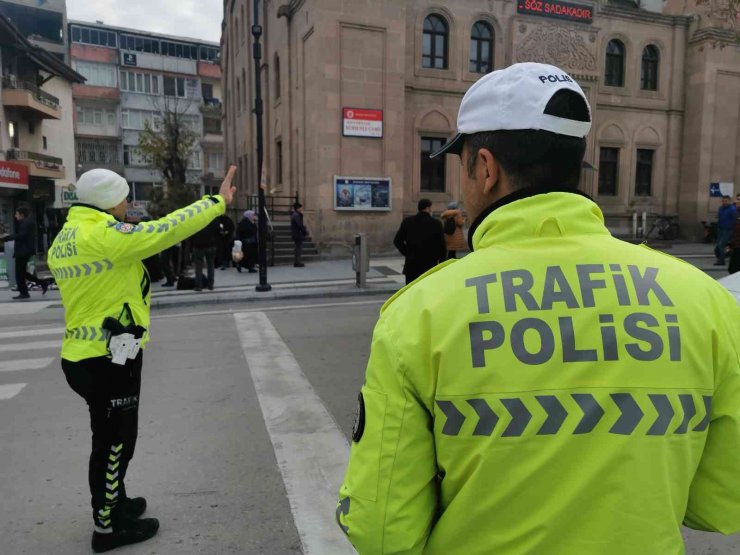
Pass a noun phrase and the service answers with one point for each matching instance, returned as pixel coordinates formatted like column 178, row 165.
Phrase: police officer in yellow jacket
column 96, row 260
column 557, row 391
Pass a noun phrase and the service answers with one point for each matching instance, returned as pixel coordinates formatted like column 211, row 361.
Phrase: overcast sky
column 200, row 19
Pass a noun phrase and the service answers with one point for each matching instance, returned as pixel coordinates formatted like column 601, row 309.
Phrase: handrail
column 12, row 82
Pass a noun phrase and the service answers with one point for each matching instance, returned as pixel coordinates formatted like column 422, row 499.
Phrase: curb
column 285, row 294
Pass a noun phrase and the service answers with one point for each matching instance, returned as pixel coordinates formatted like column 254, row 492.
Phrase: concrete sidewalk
column 324, row 278
column 317, row 279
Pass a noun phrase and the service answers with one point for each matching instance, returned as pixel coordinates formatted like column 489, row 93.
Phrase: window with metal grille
column 608, row 171
column 97, row 152
column 649, row 73
column 433, row 171
column 481, row 48
column 434, row 43
column 644, row 173
column 614, row 70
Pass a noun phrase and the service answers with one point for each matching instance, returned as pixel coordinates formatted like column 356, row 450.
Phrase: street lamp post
column 258, row 110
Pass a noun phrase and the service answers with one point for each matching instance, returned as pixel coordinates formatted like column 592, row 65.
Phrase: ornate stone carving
column 556, row 45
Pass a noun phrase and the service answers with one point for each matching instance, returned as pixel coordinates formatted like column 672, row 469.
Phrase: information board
column 362, row 193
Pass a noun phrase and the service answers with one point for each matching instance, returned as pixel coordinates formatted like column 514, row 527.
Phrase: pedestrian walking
column 452, row 223
column 25, row 247
column 421, row 241
column 557, row 391
column 246, row 232
column 96, row 260
column 726, row 218
column 205, row 245
column 298, row 232
column 170, row 267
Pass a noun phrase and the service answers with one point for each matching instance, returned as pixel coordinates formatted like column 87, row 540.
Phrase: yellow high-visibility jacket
column 556, row 392
column 97, row 263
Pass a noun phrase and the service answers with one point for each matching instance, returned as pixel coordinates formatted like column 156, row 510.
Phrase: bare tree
column 168, row 143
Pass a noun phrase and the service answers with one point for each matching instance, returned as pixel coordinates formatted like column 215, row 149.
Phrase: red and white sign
column 363, row 123
column 13, row 176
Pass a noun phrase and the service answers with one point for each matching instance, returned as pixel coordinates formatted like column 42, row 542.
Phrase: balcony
column 28, row 97
column 39, row 165
column 211, row 107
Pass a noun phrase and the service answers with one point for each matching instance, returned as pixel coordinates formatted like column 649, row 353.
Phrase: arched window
column 614, row 73
column 649, row 74
column 481, row 48
column 277, row 76
column 434, row 45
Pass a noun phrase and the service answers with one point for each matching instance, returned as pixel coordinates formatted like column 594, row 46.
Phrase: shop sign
column 13, row 176
column 362, row 123
column 557, row 10
column 129, row 59
column 362, row 193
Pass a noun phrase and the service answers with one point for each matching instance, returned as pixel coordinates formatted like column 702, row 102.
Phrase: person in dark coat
column 298, row 232
column 25, row 238
column 421, row 240
column 246, row 232
column 726, row 217
column 735, row 242
column 226, row 241
column 205, row 245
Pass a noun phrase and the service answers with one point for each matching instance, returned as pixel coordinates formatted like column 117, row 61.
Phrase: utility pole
column 258, row 111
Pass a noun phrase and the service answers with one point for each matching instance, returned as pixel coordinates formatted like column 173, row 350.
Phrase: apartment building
column 36, row 134
column 132, row 78
column 357, row 94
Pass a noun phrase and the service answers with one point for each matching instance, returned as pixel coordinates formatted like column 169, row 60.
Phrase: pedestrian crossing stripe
column 619, row 413
column 9, row 391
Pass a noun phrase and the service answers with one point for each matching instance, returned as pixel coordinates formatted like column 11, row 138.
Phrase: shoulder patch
column 401, row 291
column 125, row 228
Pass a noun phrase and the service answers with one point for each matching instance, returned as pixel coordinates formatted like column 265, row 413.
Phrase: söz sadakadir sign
column 558, row 10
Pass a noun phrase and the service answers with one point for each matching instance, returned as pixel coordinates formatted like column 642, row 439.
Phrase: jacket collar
column 80, row 210
column 532, row 212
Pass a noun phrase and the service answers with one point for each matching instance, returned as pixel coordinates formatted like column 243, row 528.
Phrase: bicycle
column 667, row 227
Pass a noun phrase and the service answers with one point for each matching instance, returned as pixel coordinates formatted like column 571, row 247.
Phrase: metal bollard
column 360, row 260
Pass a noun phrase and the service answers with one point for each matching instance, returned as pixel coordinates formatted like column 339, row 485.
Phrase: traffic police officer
column 557, row 391
column 96, row 260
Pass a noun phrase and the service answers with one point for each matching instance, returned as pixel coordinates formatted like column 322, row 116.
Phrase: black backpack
column 450, row 226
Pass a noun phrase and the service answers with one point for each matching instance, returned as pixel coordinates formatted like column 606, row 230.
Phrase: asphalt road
column 240, row 417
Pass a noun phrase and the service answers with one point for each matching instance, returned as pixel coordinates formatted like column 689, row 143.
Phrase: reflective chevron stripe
column 86, row 333
column 82, row 270
column 617, row 414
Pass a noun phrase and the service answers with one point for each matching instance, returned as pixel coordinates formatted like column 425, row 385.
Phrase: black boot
column 133, row 507
column 126, row 533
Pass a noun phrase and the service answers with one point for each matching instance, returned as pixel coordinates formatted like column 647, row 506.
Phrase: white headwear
column 516, row 98
column 101, row 188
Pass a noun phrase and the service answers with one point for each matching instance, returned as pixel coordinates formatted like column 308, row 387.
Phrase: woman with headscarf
column 246, row 232
column 453, row 221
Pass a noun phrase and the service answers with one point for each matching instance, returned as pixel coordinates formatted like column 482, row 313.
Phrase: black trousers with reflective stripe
column 112, row 395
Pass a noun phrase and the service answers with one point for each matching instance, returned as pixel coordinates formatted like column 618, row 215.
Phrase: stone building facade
column 665, row 99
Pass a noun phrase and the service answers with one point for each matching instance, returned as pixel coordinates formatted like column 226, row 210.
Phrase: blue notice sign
column 362, row 193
